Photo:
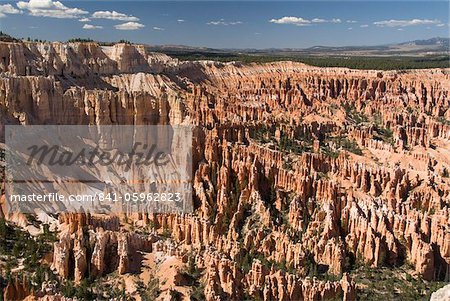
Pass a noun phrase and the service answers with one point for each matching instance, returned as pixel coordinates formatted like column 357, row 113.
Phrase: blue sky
column 229, row 24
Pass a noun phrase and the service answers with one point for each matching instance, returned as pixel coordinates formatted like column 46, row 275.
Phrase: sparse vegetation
column 19, row 248
column 125, row 41
column 392, row 284
column 246, row 258
column 83, row 291
column 378, row 118
column 329, row 152
column 4, row 37
column 443, row 120
column 285, row 143
column 149, row 291
column 351, row 146
column 78, row 40
column 194, row 273
column 290, row 145
column 353, row 114
column 166, row 233
column 384, row 134
column 354, row 62
column 331, row 146
column 18, row 244
column 263, row 134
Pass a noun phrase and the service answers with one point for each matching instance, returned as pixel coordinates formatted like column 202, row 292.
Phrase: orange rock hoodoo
column 296, row 168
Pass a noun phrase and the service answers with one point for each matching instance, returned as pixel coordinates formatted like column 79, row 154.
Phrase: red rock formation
column 297, row 169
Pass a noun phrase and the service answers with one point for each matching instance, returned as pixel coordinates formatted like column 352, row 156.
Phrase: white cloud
column 224, row 23
column 85, row 20
column 129, row 26
column 8, row 9
column 400, row 29
column 158, row 28
column 404, row 23
column 351, row 21
column 180, row 20
column 90, row 26
column 291, row 20
column 49, row 8
column 317, row 20
column 113, row 15
column 364, row 26
column 298, row 21
column 350, row 28
column 440, row 25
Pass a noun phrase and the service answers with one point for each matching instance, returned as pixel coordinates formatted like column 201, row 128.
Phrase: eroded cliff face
column 300, row 173
column 78, row 59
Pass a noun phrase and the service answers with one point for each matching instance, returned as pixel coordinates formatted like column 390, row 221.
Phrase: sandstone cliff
column 300, row 173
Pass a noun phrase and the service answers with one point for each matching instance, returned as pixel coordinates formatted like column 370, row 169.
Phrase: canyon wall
column 300, row 173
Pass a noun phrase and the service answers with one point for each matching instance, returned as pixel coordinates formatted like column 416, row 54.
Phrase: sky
column 228, row 24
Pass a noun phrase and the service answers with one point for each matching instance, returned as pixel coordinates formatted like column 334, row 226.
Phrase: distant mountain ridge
column 444, row 42
column 437, row 45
